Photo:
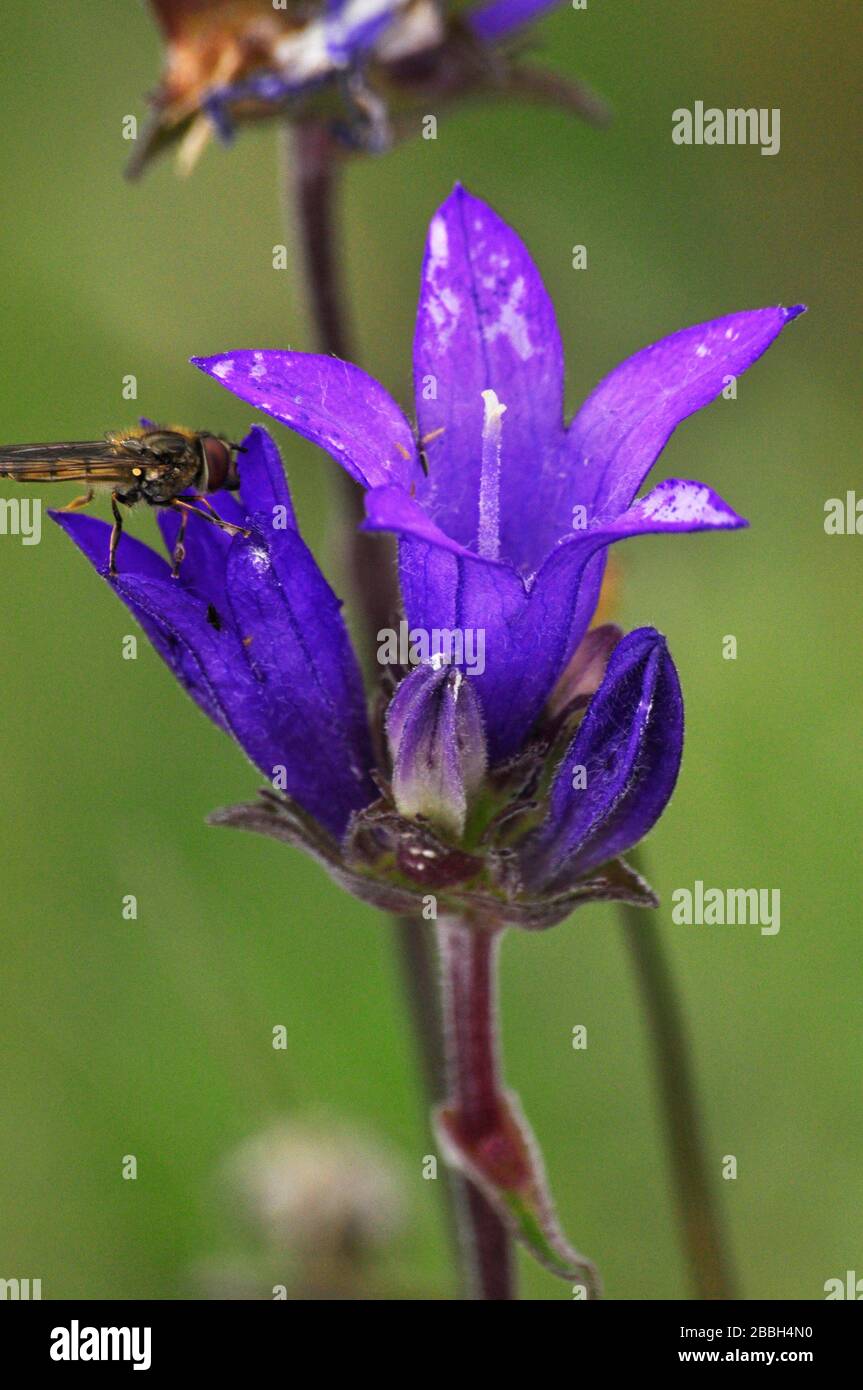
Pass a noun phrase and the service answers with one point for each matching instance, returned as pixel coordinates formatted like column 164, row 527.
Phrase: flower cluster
column 365, row 68
column 510, row 792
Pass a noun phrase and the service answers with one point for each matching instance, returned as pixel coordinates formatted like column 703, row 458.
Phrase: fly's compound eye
column 221, row 464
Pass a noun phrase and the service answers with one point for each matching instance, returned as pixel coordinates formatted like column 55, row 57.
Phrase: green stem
column 706, row 1247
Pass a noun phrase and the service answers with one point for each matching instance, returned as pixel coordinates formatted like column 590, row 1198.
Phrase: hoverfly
column 152, row 465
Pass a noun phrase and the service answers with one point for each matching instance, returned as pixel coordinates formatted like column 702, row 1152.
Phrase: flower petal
column 625, row 423
column 352, row 26
column 446, row 587
column 585, row 670
column 528, row 634
column 620, row 770
column 263, row 483
column 485, row 322
column 92, row 536
column 334, row 404
column 273, row 667
column 500, row 18
column 263, row 488
column 524, row 643
column 290, row 626
column 676, row 505
column 202, row 571
column 208, row 663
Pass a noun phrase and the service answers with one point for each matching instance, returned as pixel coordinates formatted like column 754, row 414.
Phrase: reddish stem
column 468, row 973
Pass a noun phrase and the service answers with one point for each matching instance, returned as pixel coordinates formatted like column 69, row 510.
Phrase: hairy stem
column 706, row 1248
column 468, row 977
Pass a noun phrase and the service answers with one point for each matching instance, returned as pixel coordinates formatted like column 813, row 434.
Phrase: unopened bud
column 437, row 742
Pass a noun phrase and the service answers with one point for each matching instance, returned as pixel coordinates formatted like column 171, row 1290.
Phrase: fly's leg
column 179, row 546
column 116, row 533
column 184, row 504
column 79, row 502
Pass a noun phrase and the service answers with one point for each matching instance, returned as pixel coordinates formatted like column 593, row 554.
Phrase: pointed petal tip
column 89, row 533
column 794, row 312
column 461, row 198
column 650, row 637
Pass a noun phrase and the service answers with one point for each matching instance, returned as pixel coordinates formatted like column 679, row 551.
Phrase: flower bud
column 619, row 771
column 437, row 744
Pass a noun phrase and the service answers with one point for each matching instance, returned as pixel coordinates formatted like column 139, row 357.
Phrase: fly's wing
column 96, row 461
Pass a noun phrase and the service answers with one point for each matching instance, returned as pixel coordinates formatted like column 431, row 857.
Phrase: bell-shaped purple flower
column 254, row 634
column 503, row 512
column 437, row 745
column 515, row 781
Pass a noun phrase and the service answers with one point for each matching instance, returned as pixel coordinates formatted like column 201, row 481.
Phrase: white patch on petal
column 512, row 323
column 684, row 505
column 438, row 244
column 224, row 369
column 444, row 307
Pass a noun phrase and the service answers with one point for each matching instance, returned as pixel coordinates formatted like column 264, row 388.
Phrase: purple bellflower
column 367, row 69
column 508, row 787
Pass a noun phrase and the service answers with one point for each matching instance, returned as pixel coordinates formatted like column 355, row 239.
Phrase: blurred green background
column 154, row 1037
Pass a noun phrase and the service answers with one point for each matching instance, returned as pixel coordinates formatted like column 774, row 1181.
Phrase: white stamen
column 488, row 536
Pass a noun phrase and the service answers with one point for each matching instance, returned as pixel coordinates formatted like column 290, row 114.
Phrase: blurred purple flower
column 361, row 67
column 514, row 786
